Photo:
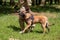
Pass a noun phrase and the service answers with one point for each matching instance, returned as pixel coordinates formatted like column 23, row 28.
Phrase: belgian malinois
column 32, row 19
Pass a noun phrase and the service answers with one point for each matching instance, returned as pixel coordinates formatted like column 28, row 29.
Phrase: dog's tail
column 49, row 24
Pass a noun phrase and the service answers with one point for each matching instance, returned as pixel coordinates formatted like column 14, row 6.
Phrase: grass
column 9, row 27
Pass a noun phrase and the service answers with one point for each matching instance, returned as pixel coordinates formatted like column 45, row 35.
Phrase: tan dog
column 43, row 20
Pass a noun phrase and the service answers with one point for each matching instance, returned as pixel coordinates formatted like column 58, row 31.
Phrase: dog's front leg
column 27, row 26
column 44, row 28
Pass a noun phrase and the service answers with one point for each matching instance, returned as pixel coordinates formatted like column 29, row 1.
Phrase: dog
column 30, row 20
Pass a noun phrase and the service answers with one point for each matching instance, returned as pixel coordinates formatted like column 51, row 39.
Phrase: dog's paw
column 21, row 32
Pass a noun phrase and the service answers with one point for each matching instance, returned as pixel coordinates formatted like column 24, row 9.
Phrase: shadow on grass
column 18, row 29
column 38, row 31
column 45, row 9
column 14, row 28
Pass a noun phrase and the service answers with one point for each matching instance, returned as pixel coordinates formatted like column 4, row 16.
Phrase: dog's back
column 41, row 19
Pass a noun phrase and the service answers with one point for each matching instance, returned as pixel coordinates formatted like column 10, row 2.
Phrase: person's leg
column 21, row 22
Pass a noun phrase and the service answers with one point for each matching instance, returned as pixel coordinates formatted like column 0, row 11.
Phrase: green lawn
column 9, row 28
column 9, row 25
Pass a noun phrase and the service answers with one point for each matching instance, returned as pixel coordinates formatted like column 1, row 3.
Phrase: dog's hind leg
column 47, row 27
column 44, row 28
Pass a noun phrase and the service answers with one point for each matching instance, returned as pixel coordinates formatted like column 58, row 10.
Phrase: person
column 26, row 4
column 25, row 8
